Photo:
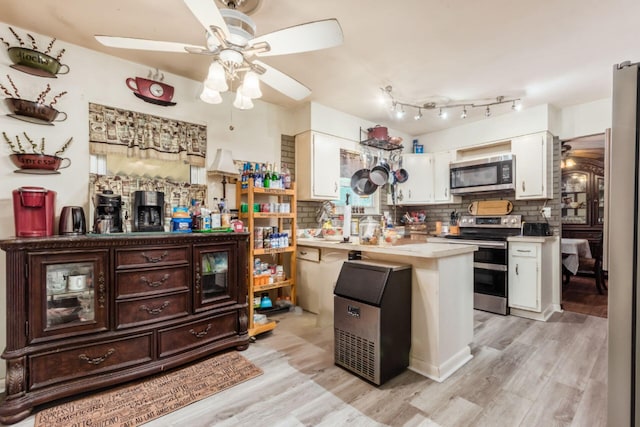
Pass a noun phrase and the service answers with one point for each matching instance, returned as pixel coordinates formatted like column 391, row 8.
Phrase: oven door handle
column 487, row 266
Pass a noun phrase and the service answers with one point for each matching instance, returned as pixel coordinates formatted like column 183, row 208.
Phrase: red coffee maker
column 33, row 211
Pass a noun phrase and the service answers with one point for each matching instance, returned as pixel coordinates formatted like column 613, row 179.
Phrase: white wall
column 584, row 119
column 99, row 78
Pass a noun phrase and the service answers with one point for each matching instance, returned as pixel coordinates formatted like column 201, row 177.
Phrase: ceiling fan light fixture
column 251, row 85
column 242, row 102
column 241, row 27
column 231, row 56
column 216, row 78
column 210, row 96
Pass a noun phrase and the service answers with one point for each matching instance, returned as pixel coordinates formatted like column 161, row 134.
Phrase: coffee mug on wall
column 150, row 88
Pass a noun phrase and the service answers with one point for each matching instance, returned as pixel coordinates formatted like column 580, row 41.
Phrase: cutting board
column 490, row 207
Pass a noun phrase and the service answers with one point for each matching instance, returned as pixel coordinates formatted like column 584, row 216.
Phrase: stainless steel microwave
column 480, row 175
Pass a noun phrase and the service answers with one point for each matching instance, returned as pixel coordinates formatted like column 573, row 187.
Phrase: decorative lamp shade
column 242, row 102
column 210, row 96
column 216, row 79
column 223, row 163
column 251, row 85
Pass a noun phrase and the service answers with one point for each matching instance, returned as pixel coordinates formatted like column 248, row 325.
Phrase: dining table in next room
column 572, row 251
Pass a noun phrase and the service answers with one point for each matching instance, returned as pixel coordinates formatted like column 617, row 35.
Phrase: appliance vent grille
column 355, row 353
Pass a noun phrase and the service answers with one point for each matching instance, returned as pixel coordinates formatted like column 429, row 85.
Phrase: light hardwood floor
column 524, row 373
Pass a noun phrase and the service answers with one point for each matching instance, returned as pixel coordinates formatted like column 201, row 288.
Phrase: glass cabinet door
column 215, row 275
column 574, row 202
column 599, row 212
column 70, row 291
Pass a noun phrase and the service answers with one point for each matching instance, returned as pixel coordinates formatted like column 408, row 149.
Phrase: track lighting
column 398, row 106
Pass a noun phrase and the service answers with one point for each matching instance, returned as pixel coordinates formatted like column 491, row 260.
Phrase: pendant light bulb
column 419, row 115
column 242, row 102
column 251, row 85
column 216, row 78
column 464, row 113
column 210, row 96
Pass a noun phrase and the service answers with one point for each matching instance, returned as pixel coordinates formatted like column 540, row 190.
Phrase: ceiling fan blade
column 208, row 14
column 282, row 82
column 302, row 38
column 143, row 44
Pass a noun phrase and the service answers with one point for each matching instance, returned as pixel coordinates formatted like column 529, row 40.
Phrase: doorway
column 583, row 208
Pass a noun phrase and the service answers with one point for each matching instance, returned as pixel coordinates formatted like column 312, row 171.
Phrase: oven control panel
column 498, row 221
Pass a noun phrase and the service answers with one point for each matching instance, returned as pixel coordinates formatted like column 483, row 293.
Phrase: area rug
column 142, row 401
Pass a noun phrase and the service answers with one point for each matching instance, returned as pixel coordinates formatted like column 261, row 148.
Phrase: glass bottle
column 225, row 216
column 215, row 214
column 257, row 177
column 286, row 176
column 267, row 176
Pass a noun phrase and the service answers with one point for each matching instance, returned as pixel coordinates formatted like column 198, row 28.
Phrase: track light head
column 419, row 115
column 464, row 113
column 487, row 113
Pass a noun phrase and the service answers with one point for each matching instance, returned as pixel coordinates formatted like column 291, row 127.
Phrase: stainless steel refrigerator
column 623, row 243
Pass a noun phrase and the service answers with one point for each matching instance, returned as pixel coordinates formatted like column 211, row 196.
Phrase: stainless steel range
column 490, row 262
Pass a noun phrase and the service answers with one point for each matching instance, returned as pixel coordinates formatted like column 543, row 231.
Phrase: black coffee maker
column 148, row 211
column 108, row 217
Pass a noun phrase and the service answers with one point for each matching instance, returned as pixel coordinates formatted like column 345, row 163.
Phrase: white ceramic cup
column 76, row 283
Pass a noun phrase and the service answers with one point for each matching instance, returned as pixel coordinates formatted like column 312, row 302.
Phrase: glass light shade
column 223, row 163
column 210, row 96
column 216, row 79
column 251, row 85
column 242, row 102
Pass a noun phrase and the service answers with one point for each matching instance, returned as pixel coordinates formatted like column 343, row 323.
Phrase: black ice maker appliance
column 372, row 319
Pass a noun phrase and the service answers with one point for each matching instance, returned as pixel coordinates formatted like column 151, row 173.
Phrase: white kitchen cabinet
column 530, row 277
column 318, row 165
column 533, row 166
column 418, row 189
column 441, row 181
column 428, row 181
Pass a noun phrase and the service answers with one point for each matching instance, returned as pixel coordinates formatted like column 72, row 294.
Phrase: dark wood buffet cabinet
column 86, row 312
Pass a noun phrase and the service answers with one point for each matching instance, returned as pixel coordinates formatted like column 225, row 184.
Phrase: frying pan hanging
column 361, row 184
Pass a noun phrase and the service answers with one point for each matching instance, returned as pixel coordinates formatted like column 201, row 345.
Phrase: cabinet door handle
column 201, row 333
column 523, row 187
column 156, row 283
column 517, row 270
column 156, row 310
column 335, row 186
column 409, row 193
column 96, row 360
column 446, row 192
column 155, row 259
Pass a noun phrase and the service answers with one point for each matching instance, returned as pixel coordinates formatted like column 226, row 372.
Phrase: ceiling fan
column 230, row 40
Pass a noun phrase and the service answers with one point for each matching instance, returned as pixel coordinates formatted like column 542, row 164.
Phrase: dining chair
column 593, row 266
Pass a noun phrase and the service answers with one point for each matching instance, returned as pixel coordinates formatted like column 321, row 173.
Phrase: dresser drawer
column 81, row 361
column 140, row 311
column 151, row 281
column 150, row 256
column 185, row 337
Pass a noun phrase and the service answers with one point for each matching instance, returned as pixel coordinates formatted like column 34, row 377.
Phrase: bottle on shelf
column 225, row 215
column 266, row 181
column 286, row 177
column 216, row 219
column 258, row 177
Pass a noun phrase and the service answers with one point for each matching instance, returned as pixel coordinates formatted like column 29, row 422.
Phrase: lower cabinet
column 87, row 312
column 530, row 277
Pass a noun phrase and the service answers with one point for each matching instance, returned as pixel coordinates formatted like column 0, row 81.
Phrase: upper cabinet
column 533, row 166
column 318, row 166
column 428, row 181
column 582, row 199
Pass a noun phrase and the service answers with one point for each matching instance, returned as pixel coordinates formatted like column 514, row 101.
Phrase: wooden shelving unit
column 283, row 256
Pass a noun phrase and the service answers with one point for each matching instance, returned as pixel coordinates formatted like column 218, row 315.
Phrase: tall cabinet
column 582, row 199
column 265, row 211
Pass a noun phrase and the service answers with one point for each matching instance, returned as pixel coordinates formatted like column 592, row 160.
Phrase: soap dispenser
column 346, row 224
column 265, row 301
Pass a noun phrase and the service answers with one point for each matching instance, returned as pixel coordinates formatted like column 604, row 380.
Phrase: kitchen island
column 442, row 296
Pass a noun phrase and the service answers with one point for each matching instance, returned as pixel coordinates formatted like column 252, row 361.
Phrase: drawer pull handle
column 156, row 310
column 525, row 251
column 155, row 259
column 201, row 333
column 156, row 283
column 303, row 252
column 97, row 360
